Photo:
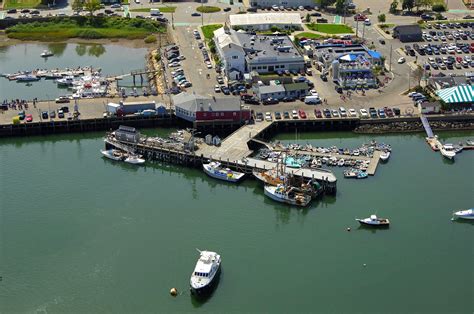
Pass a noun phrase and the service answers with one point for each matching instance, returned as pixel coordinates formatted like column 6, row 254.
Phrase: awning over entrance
column 457, row 94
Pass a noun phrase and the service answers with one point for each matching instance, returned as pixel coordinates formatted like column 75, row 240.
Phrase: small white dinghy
column 464, row 214
column 374, row 221
column 134, row 159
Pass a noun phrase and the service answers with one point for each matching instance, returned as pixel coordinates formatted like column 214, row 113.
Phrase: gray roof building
column 408, row 33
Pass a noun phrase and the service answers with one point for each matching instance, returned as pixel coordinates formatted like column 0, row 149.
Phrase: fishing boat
column 206, row 272
column 374, row 221
column 287, row 194
column 134, row 159
column 47, row 53
column 113, row 154
column 464, row 214
column 447, row 150
column 385, row 155
column 215, row 170
column 52, row 76
column 27, row 78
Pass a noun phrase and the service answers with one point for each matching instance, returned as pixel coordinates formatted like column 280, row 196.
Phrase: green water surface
column 82, row 234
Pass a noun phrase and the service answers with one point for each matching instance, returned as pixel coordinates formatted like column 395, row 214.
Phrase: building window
column 234, row 114
column 235, row 57
column 222, row 114
column 204, row 115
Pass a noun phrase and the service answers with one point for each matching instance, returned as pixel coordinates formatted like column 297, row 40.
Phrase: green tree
column 381, row 18
column 308, row 18
column 77, row 5
column 92, row 6
column 340, row 4
column 325, row 3
column 408, row 4
column 423, row 4
column 393, row 7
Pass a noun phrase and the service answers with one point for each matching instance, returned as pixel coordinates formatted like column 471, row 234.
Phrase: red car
column 318, row 113
column 459, row 59
column 359, row 17
column 388, row 112
column 302, row 114
column 29, row 118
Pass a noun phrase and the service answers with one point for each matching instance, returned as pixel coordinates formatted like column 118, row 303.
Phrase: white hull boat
column 206, row 272
column 374, row 221
column 47, row 53
column 384, row 156
column 215, row 170
column 113, row 154
column 447, row 150
column 464, row 214
column 135, row 160
column 289, row 196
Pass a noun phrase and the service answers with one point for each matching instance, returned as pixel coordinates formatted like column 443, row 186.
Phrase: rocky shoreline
column 400, row 127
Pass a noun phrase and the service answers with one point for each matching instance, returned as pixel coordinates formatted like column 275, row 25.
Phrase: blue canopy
column 374, row 54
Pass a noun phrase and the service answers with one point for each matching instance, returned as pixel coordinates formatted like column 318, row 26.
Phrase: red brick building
column 196, row 108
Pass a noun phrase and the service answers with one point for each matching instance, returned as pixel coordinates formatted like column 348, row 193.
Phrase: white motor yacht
column 385, row 155
column 206, row 272
column 447, row 150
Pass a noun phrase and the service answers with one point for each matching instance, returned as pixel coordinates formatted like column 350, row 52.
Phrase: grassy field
column 208, row 9
column 208, row 30
column 309, row 35
column 162, row 9
column 330, row 28
column 19, row 4
column 62, row 29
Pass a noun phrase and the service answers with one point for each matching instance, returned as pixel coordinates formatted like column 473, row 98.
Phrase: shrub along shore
column 85, row 28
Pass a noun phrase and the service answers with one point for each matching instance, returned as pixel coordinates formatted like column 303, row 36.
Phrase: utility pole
column 202, row 13
column 363, row 31
column 390, row 62
column 357, row 27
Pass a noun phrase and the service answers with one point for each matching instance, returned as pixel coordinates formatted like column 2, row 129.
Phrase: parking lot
column 446, row 48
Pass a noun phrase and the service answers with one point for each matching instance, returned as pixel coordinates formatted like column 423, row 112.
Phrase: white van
column 155, row 12
column 312, row 100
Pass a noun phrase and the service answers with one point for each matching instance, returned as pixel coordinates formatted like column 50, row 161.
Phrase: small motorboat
column 447, row 150
column 206, row 272
column 47, row 53
column 385, row 155
column 113, row 154
column 374, row 221
column 351, row 173
column 362, row 175
column 470, row 142
column 215, row 170
column 464, row 214
column 134, row 159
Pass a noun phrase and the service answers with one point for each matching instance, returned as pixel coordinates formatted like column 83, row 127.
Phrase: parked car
column 294, row 114
column 317, row 113
column 29, row 118
column 352, row 113
column 363, row 113
column 195, row 14
column 373, row 112
column 62, row 100
column 277, row 115
column 381, row 113
column 302, row 114
column 327, row 113
column 286, row 115
column 268, row 116
column 60, row 113
column 44, row 115
column 343, row 112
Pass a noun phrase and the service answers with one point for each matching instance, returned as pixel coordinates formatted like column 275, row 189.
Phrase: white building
column 242, row 53
column 231, row 54
column 264, row 21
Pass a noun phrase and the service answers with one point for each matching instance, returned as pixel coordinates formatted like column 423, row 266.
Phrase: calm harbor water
column 113, row 59
column 82, row 234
